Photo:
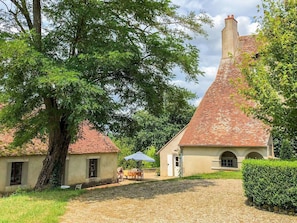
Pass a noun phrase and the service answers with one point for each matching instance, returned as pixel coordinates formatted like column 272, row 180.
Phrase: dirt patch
column 169, row 201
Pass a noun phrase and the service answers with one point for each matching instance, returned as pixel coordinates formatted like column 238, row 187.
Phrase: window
column 93, row 168
column 16, row 173
column 227, row 162
column 228, row 159
column 176, row 161
column 254, row 155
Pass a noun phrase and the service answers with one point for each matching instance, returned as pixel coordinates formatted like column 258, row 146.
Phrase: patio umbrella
column 139, row 156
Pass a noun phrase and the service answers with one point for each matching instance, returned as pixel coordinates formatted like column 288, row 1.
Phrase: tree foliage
column 156, row 130
column 149, row 133
column 65, row 61
column 271, row 74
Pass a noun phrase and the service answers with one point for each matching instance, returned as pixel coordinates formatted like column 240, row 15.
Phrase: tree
column 146, row 129
column 286, row 151
column 283, row 146
column 126, row 148
column 88, row 60
column 148, row 133
column 271, row 74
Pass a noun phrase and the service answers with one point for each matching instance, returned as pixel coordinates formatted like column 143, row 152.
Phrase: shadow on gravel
column 146, row 190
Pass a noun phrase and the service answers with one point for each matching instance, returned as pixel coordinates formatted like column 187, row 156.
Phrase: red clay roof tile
column 218, row 120
column 90, row 141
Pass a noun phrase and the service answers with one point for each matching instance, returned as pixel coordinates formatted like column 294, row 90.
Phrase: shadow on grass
column 58, row 195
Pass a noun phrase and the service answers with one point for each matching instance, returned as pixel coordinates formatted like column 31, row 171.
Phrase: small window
column 93, row 168
column 176, row 161
column 16, row 173
column 227, row 163
column 228, row 159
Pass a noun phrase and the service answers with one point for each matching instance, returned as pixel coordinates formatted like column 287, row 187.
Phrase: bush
column 286, row 150
column 271, row 183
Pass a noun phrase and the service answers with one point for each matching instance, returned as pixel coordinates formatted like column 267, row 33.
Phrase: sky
column 244, row 12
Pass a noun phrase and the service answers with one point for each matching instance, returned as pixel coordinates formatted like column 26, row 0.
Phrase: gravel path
column 205, row 201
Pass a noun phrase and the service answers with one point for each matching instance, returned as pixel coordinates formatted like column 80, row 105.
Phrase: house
column 219, row 135
column 170, row 156
column 91, row 160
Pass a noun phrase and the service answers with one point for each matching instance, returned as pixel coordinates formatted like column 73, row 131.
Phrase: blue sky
column 244, row 12
column 210, row 48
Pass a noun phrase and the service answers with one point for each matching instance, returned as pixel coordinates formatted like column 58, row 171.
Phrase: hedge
column 271, row 183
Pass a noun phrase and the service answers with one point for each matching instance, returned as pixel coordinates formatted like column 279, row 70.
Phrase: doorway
column 173, row 165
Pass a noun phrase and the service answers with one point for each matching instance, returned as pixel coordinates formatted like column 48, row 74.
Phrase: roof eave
column 225, row 146
column 158, row 152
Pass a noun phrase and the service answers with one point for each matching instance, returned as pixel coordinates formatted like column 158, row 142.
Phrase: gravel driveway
column 169, row 201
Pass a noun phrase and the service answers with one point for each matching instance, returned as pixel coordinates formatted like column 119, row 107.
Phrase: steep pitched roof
column 218, row 120
column 90, row 141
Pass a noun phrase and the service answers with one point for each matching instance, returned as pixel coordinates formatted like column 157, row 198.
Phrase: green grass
column 48, row 206
column 217, row 175
column 36, row 207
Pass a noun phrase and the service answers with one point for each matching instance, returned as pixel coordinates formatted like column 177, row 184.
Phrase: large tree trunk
column 58, row 144
column 54, row 163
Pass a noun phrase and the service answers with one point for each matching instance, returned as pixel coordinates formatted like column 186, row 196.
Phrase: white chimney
column 229, row 37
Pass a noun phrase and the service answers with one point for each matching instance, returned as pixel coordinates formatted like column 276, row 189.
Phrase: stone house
column 219, row 135
column 91, row 160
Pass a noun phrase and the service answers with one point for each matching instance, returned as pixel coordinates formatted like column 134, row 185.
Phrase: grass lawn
column 48, row 206
column 217, row 175
column 41, row 207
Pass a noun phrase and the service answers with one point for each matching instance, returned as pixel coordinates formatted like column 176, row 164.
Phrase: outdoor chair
column 139, row 174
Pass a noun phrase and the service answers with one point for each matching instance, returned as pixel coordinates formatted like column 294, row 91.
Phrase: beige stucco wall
column 170, row 148
column 207, row 159
column 197, row 160
column 32, row 165
column 76, row 169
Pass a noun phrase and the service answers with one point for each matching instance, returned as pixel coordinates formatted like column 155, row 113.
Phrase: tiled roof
column 218, row 120
column 90, row 141
column 35, row 147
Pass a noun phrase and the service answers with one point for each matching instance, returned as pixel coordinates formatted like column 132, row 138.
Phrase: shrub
column 286, row 150
column 271, row 183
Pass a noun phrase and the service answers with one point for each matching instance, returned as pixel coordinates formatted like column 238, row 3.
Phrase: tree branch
column 24, row 10
column 15, row 15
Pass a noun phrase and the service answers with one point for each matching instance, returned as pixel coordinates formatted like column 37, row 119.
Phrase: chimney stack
column 229, row 37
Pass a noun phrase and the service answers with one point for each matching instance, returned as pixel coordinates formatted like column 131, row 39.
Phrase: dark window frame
column 229, row 159
column 176, row 160
column 93, row 164
column 16, row 173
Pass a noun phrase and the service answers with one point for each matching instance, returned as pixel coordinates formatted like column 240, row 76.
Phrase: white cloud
column 246, row 26
column 210, row 48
